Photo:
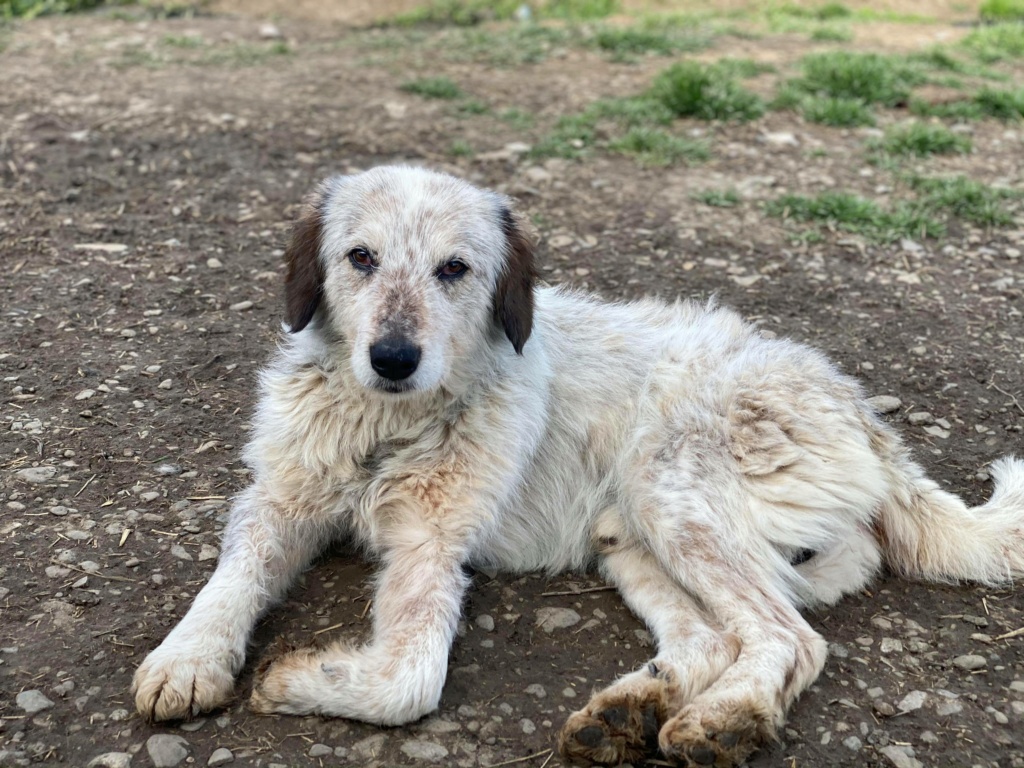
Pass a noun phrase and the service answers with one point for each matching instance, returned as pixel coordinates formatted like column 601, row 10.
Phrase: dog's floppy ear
column 513, row 299
column 304, row 276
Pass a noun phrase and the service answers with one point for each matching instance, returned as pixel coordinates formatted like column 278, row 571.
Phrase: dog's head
column 416, row 270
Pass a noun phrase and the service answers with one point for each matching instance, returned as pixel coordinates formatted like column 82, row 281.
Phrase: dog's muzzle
column 394, row 358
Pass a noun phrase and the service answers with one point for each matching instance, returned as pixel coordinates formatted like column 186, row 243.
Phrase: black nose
column 394, row 358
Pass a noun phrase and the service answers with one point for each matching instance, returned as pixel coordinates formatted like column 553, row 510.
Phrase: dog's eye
column 361, row 259
column 452, row 269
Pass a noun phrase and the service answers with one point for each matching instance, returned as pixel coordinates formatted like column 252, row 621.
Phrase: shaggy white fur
column 434, row 406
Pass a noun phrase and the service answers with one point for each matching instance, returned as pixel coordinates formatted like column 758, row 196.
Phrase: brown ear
column 304, row 277
column 513, row 298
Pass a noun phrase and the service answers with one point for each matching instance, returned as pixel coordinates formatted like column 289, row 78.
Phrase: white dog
column 438, row 409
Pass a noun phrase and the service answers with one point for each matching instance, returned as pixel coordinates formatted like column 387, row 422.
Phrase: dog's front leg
column 398, row 676
column 194, row 668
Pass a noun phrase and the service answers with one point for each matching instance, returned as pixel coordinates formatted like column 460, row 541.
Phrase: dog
column 438, row 408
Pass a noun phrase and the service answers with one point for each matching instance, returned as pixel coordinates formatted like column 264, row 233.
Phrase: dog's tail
column 929, row 533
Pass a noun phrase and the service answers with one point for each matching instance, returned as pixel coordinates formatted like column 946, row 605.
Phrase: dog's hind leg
column 193, row 670
column 779, row 654
column 620, row 724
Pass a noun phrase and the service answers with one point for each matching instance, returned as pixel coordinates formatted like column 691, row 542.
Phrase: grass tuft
column 433, row 88
column 839, row 112
column 852, row 213
column 922, row 140
column 869, row 77
column 718, row 198
column 1002, row 10
column 998, row 42
column 655, row 147
column 690, row 89
column 966, row 199
column 31, row 8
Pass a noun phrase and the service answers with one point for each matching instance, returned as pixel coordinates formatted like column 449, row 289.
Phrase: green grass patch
column 460, row 13
column 690, row 89
column 869, row 77
column 839, row 112
column 31, row 8
column 718, row 198
column 845, row 211
column 433, row 88
column 988, row 102
column 187, row 42
column 656, row 147
column 1002, row 10
column 998, row 42
column 922, row 140
column 962, row 198
column 935, row 202
column 829, row 33
column 461, row 148
column 627, row 43
column 579, row 10
column 1002, row 104
column 518, row 119
column 509, row 46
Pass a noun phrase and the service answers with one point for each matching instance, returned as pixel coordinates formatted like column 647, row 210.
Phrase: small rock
column 166, row 750
column 270, row 31
column 970, row 662
column 214, row 263
column 937, row 431
column 1017, row 686
column 368, row 748
column 899, row 758
column 429, row 751
column 912, row 701
column 853, row 743
column 536, row 689
column 561, row 241
column 552, row 618
column 947, row 708
column 36, row 474
column 165, row 384
column 780, row 139
column 320, row 750
column 885, row 403
column 111, row 760
column 241, row 306
column 168, row 469
column 33, row 701
column 207, row 552
column 485, row 622
column 221, row 756
column 85, row 394
column 890, row 645
column 180, row 552
column 883, row 708
column 920, row 417
column 1000, row 718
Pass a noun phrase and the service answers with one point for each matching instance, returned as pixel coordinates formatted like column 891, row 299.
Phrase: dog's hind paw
column 723, row 736
column 620, row 724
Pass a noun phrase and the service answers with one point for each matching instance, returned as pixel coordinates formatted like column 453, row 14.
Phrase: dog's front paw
column 288, row 681
column 176, row 683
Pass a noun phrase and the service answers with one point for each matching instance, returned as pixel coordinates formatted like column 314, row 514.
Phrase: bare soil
column 147, row 185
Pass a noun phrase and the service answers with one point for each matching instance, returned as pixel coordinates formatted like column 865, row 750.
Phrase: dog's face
column 415, row 270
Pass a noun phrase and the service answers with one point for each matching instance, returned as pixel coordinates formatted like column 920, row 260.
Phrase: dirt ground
column 147, row 185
